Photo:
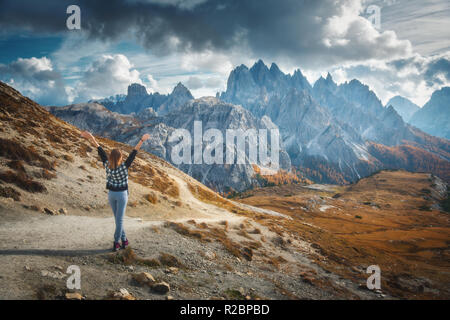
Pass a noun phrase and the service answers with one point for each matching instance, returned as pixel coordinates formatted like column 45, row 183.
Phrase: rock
column 123, row 294
column 173, row 270
column 210, row 255
column 50, row 212
column 169, row 298
column 161, row 287
column 241, row 291
column 73, row 296
column 62, row 211
column 248, row 298
column 28, row 268
column 54, row 275
column 144, row 278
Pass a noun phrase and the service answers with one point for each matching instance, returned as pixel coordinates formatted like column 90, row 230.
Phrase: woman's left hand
column 145, row 137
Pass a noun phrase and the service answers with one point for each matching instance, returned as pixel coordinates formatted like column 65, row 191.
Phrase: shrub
column 68, row 157
column 8, row 192
column 22, row 180
column 16, row 165
column 185, row 231
column 44, row 174
column 169, row 260
column 13, row 150
column 152, row 198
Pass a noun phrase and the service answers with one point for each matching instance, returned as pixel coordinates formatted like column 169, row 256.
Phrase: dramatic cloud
column 35, row 78
column 416, row 77
column 425, row 23
column 194, row 82
column 161, row 42
column 107, row 76
column 311, row 32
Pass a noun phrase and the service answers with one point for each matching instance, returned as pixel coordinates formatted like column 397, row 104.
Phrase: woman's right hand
column 86, row 135
column 145, row 137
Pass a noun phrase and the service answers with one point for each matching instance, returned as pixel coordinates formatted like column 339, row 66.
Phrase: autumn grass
column 23, row 181
column 208, row 234
column 14, row 150
column 9, row 192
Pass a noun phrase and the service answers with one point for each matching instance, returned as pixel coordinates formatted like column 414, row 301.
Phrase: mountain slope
column 434, row 116
column 404, row 107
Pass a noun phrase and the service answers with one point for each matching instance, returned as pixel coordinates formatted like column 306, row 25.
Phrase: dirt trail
column 71, row 232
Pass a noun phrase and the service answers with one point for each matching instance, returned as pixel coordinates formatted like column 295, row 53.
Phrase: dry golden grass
column 185, row 231
column 154, row 178
column 44, row 174
column 170, row 260
column 129, row 257
column 208, row 234
column 14, row 150
column 152, row 198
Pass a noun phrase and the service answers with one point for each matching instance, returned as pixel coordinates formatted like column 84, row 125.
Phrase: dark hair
column 115, row 158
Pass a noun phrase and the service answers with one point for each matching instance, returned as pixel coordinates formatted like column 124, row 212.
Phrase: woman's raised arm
column 88, row 136
column 144, row 138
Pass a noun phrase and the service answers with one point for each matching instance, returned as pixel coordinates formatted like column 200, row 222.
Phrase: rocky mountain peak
column 180, row 89
column 329, row 78
column 403, row 106
column 274, row 68
column 136, row 90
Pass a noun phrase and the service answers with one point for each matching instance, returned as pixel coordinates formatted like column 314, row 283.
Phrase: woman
column 116, row 183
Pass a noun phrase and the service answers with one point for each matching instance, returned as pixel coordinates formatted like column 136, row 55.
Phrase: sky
column 396, row 47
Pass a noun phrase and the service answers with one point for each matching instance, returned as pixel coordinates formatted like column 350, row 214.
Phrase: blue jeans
column 118, row 201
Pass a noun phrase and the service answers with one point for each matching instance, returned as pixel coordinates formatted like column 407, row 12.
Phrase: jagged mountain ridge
column 138, row 99
column 348, row 116
column 328, row 130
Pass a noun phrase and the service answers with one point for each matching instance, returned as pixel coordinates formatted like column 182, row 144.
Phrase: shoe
column 124, row 244
column 116, row 246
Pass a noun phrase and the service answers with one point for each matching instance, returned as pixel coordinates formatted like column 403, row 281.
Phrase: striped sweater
column 116, row 179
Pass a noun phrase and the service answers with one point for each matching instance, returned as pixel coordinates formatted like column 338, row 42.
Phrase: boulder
column 73, row 296
column 161, row 287
column 144, row 278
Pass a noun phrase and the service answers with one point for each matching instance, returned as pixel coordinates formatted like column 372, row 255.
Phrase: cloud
column 207, row 60
column 415, row 78
column 153, row 84
column 106, row 76
column 36, row 78
column 194, row 83
column 321, row 33
column 182, row 4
